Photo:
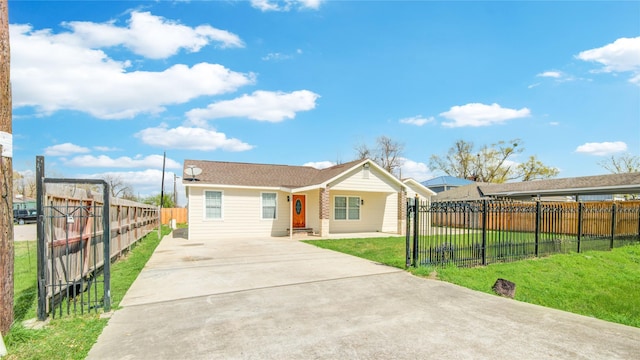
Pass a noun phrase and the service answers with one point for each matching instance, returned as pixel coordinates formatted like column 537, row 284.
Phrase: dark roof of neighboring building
column 446, row 180
column 461, row 193
column 628, row 183
column 263, row 175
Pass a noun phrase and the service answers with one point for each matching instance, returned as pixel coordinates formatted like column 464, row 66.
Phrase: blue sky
column 105, row 87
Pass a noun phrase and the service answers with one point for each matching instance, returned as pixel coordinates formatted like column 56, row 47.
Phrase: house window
column 346, row 208
column 213, row 204
column 269, row 205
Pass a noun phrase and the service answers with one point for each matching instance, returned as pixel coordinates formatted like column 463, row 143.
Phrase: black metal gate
column 73, row 245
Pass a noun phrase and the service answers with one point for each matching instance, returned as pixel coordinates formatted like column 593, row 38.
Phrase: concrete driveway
column 282, row 299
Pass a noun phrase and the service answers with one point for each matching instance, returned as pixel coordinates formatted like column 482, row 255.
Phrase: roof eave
column 571, row 191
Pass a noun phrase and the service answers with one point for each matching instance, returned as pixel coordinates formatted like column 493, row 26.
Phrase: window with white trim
column 212, row 204
column 269, row 206
column 346, row 208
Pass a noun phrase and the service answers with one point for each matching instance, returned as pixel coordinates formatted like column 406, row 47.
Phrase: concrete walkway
column 282, row 299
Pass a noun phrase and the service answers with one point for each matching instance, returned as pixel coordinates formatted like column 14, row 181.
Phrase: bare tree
column 118, row 187
column 626, row 163
column 6, row 177
column 491, row 163
column 24, row 184
column 387, row 153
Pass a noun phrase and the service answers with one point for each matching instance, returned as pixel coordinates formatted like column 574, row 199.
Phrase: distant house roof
column 267, row 175
column 600, row 184
column 447, row 180
column 418, row 187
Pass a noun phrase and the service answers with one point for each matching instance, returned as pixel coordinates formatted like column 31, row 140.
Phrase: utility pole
column 6, row 176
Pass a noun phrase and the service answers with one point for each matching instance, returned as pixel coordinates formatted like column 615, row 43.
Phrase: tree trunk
column 6, row 177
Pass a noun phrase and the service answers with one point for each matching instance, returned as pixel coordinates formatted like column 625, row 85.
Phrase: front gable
column 366, row 177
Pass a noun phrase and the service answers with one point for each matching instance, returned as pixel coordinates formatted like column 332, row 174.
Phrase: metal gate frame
column 48, row 300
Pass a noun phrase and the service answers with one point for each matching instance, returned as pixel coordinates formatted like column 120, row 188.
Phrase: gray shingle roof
column 600, row 184
column 263, row 175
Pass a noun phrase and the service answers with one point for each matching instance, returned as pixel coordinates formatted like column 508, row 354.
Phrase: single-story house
column 230, row 199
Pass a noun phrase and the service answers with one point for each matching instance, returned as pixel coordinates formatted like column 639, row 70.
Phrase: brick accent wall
column 402, row 212
column 324, row 212
column 324, row 204
column 402, row 205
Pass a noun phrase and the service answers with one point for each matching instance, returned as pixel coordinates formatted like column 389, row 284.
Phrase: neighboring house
column 228, row 199
column 22, row 202
column 565, row 189
column 414, row 188
column 445, row 183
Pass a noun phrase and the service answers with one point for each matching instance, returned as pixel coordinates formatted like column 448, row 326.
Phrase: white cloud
column 320, row 164
column 260, row 105
column 106, row 148
column 147, row 35
column 68, row 77
column 65, row 149
column 276, row 57
column 145, row 182
column 623, row 55
column 286, row 5
column 190, row 138
column 152, row 161
column 603, row 148
column 415, row 170
column 551, row 74
column 417, row 120
column 476, row 114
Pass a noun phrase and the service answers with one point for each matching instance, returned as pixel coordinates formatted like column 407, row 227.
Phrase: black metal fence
column 80, row 230
column 482, row 232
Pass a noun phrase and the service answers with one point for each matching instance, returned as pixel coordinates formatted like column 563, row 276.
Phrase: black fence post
column 40, row 244
column 485, row 209
column 537, row 229
column 106, row 242
column 416, row 233
column 613, row 224
column 408, row 235
column 579, row 239
column 638, row 208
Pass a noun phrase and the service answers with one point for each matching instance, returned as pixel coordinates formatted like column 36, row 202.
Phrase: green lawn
column 600, row 284
column 69, row 336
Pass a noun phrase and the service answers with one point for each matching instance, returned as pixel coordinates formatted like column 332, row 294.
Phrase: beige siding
column 379, row 213
column 359, row 181
column 241, row 215
column 412, row 190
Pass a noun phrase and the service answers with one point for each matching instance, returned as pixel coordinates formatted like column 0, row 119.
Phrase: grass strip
column 69, row 336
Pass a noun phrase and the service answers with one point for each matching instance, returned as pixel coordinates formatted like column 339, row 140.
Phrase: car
column 22, row 216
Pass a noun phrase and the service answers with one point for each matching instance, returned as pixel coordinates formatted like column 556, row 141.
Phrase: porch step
column 306, row 231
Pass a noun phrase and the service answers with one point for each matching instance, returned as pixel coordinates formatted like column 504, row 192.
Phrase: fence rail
column 483, row 232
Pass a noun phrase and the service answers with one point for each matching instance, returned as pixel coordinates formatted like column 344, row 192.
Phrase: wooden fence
column 71, row 239
column 594, row 218
column 179, row 214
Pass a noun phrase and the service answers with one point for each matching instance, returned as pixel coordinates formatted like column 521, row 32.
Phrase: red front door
column 299, row 207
